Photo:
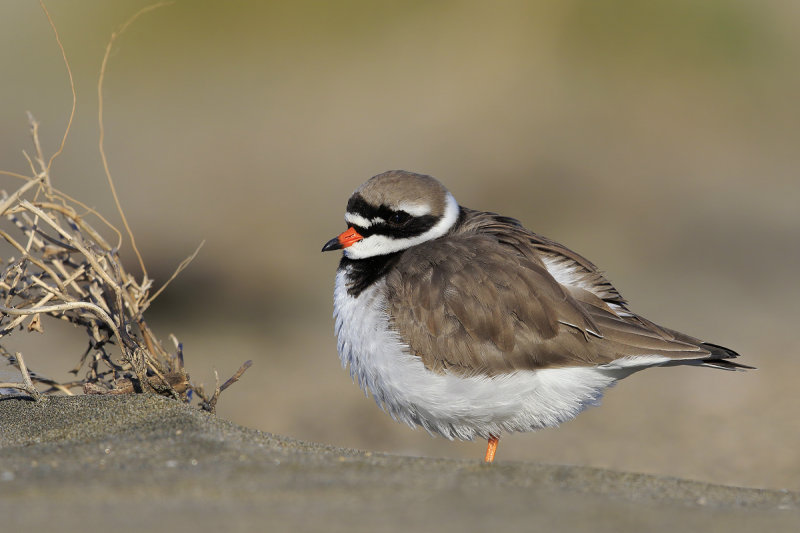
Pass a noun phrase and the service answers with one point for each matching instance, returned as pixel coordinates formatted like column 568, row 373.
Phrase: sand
column 134, row 463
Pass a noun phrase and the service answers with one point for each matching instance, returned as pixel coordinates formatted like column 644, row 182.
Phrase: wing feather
column 485, row 300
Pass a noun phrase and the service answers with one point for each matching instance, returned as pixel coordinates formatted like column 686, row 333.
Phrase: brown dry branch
column 211, row 405
column 63, row 268
column 26, row 384
column 60, row 266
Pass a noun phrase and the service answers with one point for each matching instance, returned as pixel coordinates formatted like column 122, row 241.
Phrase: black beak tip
column 332, row 244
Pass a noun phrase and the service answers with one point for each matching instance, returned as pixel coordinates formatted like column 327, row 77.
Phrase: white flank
column 636, row 362
column 619, row 310
column 566, row 272
column 382, row 245
column 572, row 274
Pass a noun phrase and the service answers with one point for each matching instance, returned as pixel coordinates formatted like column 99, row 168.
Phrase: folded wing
column 495, row 297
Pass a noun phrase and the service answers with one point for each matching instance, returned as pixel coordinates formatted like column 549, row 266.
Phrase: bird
column 469, row 325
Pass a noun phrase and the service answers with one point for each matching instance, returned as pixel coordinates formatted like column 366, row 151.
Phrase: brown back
column 480, row 300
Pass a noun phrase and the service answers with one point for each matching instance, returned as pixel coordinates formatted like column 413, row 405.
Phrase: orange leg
column 491, row 448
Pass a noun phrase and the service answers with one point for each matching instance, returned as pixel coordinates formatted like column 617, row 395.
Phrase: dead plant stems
column 101, row 142
column 63, row 268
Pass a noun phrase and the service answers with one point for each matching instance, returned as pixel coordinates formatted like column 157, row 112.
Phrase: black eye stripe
column 415, row 226
column 358, row 206
column 409, row 226
column 399, row 217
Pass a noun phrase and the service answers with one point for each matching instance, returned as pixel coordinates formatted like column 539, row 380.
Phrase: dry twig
column 65, row 269
column 26, row 384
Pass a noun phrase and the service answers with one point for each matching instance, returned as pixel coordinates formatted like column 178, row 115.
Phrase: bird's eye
column 400, row 217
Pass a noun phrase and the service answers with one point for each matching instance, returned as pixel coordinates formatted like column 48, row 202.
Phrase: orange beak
column 345, row 239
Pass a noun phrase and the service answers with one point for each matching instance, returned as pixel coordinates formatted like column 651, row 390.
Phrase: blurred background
column 661, row 139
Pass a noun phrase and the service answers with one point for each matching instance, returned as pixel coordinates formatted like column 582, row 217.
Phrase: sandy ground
column 133, row 463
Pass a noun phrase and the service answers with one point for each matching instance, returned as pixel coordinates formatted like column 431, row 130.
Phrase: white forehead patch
column 353, row 219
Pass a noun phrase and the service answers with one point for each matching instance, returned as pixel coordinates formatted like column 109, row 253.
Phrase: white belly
column 447, row 404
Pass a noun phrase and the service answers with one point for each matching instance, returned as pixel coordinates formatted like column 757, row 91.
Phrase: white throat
column 382, row 245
